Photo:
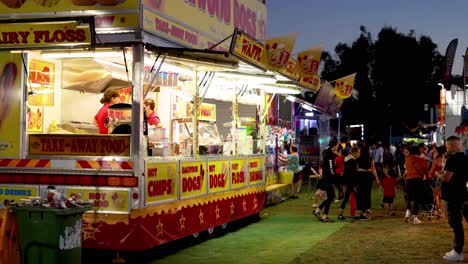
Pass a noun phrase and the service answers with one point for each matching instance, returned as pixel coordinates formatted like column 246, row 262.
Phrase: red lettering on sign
column 190, row 184
column 159, row 188
column 220, row 9
column 211, row 168
column 235, row 166
column 255, row 175
column 112, row 146
column 153, row 172
column 238, row 177
column 245, row 18
column 84, row 145
column 251, row 50
column 217, row 180
column 189, row 169
column 59, row 36
column 53, row 145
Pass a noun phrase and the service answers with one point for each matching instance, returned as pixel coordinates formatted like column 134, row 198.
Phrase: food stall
column 149, row 184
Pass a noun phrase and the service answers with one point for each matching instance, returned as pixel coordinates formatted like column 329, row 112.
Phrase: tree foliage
column 397, row 74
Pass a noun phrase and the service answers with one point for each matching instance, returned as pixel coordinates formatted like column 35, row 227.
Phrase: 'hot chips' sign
column 161, row 181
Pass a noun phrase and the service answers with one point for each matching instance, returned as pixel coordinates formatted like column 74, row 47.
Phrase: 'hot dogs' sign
column 218, row 173
column 193, row 178
column 37, row 34
column 77, row 145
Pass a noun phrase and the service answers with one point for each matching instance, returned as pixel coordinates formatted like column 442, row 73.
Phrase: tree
column 396, row 75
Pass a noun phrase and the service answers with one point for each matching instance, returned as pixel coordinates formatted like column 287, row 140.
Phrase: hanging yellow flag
column 278, row 51
column 309, row 61
column 308, row 67
column 344, row 86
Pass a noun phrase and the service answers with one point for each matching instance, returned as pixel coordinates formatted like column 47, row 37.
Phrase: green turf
column 285, row 231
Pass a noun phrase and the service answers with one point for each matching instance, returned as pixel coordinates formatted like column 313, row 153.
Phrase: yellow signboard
column 105, row 199
column 311, row 82
column 239, row 172
column 218, row 171
column 127, row 21
column 210, row 20
column 193, row 176
column 80, row 145
column 161, row 181
column 42, row 78
column 39, row 34
column 17, row 192
column 10, row 8
column 248, row 49
column 207, row 111
column 256, row 170
column 170, row 30
column 10, row 103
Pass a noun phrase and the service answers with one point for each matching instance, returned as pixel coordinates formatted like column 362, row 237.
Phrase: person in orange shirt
column 110, row 97
column 416, row 172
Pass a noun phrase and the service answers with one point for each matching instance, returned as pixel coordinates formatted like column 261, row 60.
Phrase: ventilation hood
column 85, row 74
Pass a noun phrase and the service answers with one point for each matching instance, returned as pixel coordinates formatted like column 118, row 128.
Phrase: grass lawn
column 288, row 233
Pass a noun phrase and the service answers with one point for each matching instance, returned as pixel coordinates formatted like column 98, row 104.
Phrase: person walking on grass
column 349, row 178
column 366, row 174
column 389, row 184
column 454, row 176
column 327, row 180
column 292, row 162
column 340, row 163
column 416, row 171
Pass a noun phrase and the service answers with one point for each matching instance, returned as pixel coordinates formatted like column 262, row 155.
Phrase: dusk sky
column 329, row 22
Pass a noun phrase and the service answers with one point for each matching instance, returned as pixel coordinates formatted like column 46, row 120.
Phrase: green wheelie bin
column 50, row 235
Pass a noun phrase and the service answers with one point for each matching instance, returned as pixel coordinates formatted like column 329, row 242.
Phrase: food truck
column 201, row 65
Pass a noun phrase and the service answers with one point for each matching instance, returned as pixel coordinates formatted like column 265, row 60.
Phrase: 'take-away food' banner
column 200, row 24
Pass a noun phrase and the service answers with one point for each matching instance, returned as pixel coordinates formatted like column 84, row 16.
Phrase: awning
column 243, row 62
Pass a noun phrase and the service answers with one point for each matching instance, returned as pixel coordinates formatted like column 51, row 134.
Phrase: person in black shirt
column 327, row 180
column 454, row 178
column 349, row 178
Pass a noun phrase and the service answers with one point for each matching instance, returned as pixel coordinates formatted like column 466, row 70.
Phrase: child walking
column 389, row 184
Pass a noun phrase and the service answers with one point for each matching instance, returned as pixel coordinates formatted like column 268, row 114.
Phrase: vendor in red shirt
column 110, row 97
column 153, row 119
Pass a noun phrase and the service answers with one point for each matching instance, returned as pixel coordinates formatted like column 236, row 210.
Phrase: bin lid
column 57, row 211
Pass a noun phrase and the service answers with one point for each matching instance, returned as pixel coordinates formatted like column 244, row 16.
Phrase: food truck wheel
column 211, row 231
column 224, row 226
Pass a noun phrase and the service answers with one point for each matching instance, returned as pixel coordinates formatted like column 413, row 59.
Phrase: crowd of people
column 433, row 178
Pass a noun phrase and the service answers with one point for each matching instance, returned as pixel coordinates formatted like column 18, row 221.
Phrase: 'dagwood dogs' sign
column 79, row 145
column 37, row 34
